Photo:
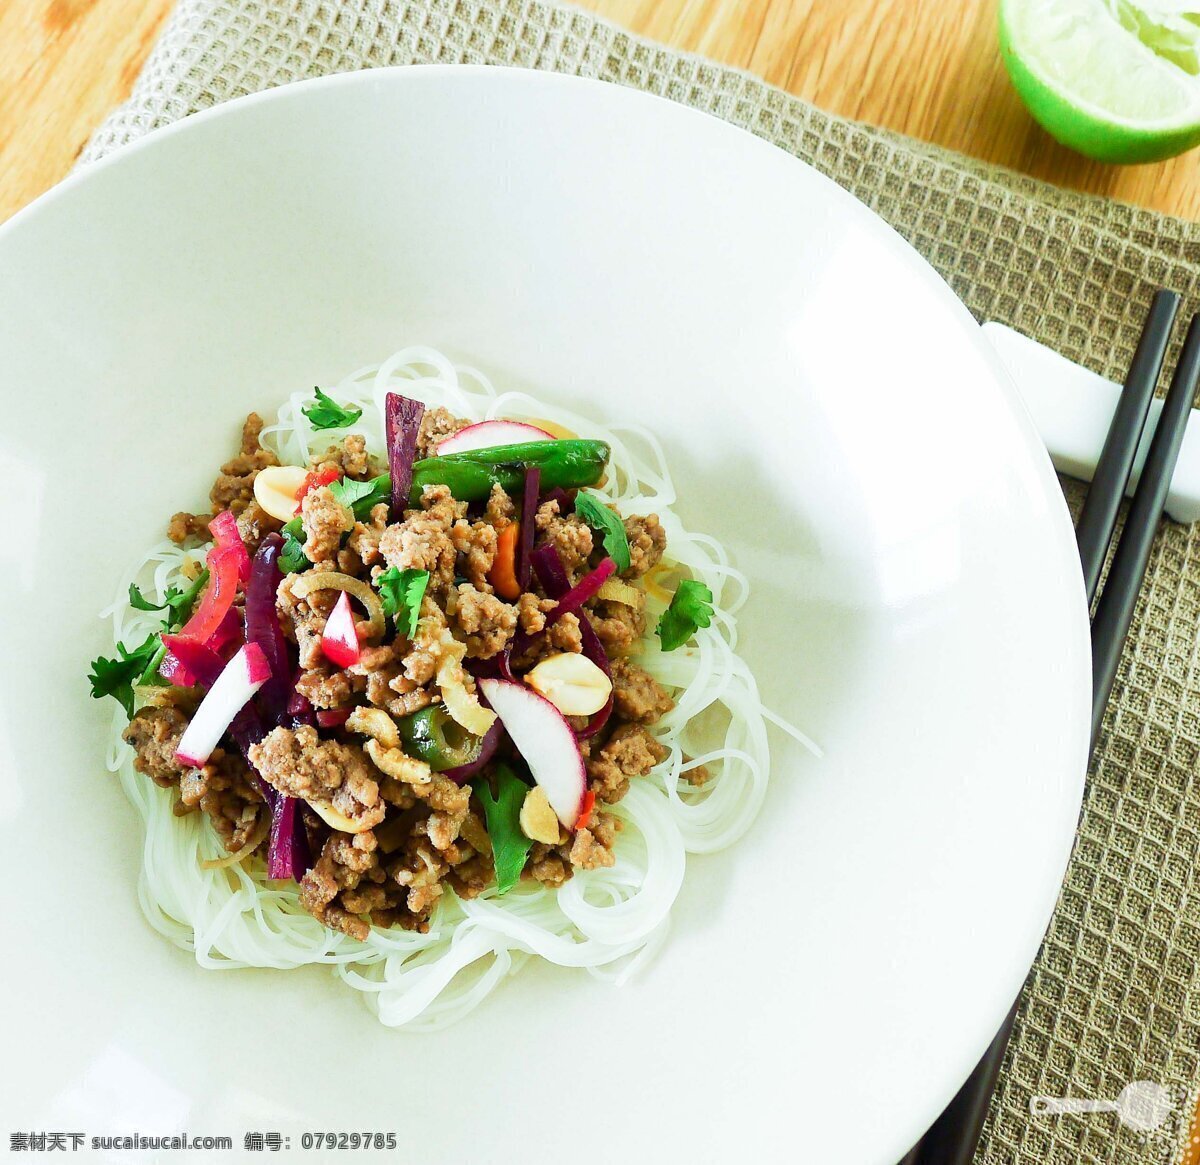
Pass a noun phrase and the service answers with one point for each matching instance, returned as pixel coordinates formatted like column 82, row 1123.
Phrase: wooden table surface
column 929, row 68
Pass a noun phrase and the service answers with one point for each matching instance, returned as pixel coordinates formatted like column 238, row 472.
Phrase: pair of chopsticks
column 954, row 1136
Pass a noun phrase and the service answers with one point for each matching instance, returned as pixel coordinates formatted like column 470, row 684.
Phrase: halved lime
column 1113, row 79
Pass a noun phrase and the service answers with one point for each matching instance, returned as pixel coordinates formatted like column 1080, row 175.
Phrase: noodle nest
column 608, row 921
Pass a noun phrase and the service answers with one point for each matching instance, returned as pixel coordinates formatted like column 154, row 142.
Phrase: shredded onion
column 462, row 704
column 614, row 590
column 334, row 580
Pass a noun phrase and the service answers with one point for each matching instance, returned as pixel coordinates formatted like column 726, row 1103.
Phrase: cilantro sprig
column 601, row 519
column 139, row 665
column 292, row 559
column 118, row 677
column 361, row 497
column 690, row 609
column 510, row 847
column 178, row 604
column 326, row 413
column 401, row 592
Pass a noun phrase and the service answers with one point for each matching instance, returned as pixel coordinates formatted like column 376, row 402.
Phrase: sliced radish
column 241, row 677
column 546, row 741
column 339, row 640
column 488, row 434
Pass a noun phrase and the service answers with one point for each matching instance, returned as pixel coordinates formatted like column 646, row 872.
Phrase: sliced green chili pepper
column 471, row 475
column 432, row 736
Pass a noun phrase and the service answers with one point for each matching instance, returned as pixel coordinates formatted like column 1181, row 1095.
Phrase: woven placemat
column 1114, row 995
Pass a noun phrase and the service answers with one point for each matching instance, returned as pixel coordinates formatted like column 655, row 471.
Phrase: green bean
column 471, row 475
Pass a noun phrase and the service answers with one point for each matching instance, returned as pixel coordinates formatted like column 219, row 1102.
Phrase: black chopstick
column 1114, row 612
column 954, row 1136
column 1098, row 518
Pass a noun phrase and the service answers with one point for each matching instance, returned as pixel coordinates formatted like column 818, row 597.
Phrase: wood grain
column 929, row 68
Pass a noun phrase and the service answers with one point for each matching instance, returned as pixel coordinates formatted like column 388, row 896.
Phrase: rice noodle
column 609, row 921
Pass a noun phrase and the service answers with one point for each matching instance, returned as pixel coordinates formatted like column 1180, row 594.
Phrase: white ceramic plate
column 831, row 413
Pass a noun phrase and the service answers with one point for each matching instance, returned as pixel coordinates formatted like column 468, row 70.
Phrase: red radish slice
column 233, row 689
column 487, row 434
column 339, row 640
column 546, row 741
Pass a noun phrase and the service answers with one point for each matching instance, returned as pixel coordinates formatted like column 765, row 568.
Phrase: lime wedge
column 1116, row 80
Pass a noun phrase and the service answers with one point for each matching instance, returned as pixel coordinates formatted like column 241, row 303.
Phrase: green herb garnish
column 326, row 413
column 361, row 497
column 118, row 677
column 178, row 604
column 402, row 592
column 601, row 519
column 292, row 559
column 690, row 609
column 510, row 847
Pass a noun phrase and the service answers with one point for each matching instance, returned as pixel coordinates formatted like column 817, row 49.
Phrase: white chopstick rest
column 1072, row 409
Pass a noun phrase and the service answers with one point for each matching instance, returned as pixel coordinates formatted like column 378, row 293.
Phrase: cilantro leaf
column 361, row 497
column 182, row 602
column 402, row 592
column 178, row 604
column 510, row 847
column 292, row 559
column 139, row 602
column 690, row 609
column 326, row 413
column 601, row 519
column 117, row 677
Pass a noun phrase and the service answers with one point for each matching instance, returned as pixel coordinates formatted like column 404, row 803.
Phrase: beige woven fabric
column 1114, row 996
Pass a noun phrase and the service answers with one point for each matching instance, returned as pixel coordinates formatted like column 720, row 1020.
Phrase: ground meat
column 546, row 865
column 418, row 870
column 637, row 695
column 619, row 627
column 487, row 623
column 501, row 509
column 449, row 804
column 154, row 735
column 428, row 645
column 564, row 634
column 386, row 684
column 647, row 541
column 324, row 688
column 569, row 535
column 183, row 526
column 350, row 458
column 364, row 539
column 325, row 521
column 593, row 847
column 349, row 563
column 254, row 524
column 234, row 487
column 303, row 620
column 348, row 865
column 696, row 776
column 422, row 540
column 630, row 752
column 436, row 425
column 225, row 790
column 297, row 762
column 476, row 544
column 473, row 875
column 531, row 612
